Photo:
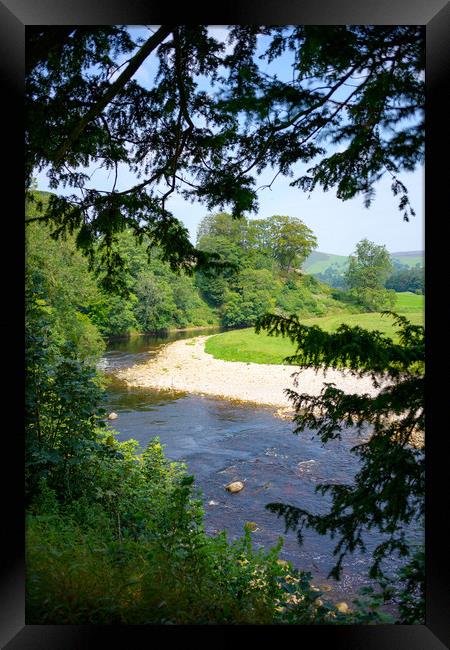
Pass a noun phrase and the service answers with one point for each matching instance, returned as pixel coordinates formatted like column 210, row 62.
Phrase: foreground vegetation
column 247, row 346
column 133, row 551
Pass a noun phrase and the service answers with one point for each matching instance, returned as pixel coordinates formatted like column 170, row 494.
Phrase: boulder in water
column 342, row 607
column 112, row 416
column 235, row 486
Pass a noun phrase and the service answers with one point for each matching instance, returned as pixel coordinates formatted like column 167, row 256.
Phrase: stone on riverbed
column 113, row 416
column 342, row 607
column 235, row 486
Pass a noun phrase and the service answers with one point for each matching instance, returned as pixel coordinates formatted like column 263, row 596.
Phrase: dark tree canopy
column 388, row 491
column 357, row 88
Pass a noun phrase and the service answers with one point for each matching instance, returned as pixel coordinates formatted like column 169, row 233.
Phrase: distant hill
column 318, row 262
column 410, row 258
column 408, row 254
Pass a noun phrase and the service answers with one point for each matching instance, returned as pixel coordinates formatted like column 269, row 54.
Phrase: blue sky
column 338, row 225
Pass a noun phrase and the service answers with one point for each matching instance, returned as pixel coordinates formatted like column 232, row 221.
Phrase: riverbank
column 164, row 332
column 185, row 366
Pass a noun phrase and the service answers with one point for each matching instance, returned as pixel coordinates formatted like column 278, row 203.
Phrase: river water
column 223, row 441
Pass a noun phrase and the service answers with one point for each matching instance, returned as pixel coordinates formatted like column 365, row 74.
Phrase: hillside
column 159, row 298
column 410, row 258
column 319, row 262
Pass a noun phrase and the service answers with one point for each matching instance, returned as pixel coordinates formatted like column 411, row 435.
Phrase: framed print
column 187, row 174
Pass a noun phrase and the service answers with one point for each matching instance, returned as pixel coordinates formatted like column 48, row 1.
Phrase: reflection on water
column 126, row 352
column 223, row 441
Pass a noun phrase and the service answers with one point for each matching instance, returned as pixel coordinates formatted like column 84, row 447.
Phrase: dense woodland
column 262, row 274
column 115, row 534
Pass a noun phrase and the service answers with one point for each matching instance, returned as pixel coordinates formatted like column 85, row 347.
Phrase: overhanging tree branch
column 148, row 47
column 158, row 131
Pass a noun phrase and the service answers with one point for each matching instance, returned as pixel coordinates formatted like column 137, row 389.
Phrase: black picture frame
column 15, row 15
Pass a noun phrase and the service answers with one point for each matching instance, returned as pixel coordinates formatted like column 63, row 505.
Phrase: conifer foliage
column 388, row 491
column 358, row 88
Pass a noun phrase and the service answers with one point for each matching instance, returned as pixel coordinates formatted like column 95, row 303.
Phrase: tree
column 61, row 397
column 260, row 254
column 219, row 234
column 61, row 273
column 155, row 306
column 357, row 87
column 257, row 243
column 407, row 279
column 388, row 491
column 290, row 241
column 366, row 275
column 222, row 225
column 254, row 296
column 333, row 275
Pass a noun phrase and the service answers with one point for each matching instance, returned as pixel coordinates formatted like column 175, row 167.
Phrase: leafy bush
column 373, row 299
column 62, row 397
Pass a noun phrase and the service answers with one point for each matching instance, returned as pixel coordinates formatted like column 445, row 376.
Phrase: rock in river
column 113, row 416
column 342, row 607
column 235, row 486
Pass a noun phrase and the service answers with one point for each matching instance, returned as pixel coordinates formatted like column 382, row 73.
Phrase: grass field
column 244, row 345
column 409, row 303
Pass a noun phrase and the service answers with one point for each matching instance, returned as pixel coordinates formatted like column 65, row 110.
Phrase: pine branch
column 115, row 88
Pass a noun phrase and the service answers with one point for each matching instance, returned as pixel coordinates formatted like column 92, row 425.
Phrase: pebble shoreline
column 185, row 366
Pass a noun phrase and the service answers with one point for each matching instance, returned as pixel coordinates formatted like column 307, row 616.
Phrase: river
column 223, row 441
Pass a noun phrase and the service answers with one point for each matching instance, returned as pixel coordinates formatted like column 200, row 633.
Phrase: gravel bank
column 185, row 366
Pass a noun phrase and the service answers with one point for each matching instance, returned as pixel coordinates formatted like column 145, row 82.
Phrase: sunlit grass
column 247, row 346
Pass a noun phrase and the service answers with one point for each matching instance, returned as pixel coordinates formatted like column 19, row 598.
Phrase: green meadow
column 247, row 346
